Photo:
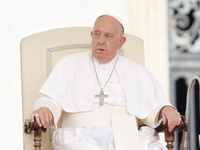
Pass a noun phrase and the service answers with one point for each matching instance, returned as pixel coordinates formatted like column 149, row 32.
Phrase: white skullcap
column 115, row 17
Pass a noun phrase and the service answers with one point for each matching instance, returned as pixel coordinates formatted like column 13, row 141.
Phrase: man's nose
column 101, row 40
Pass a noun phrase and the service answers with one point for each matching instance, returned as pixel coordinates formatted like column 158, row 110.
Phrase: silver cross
column 101, row 97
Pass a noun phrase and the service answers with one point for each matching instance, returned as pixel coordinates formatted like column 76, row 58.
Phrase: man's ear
column 122, row 41
column 91, row 33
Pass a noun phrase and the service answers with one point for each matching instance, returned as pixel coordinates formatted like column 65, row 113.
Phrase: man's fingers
column 179, row 119
column 37, row 119
column 46, row 118
column 50, row 117
column 164, row 120
column 32, row 117
column 170, row 117
column 42, row 119
column 173, row 121
column 42, row 116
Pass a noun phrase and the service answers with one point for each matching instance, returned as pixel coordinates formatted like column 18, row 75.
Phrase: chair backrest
column 41, row 51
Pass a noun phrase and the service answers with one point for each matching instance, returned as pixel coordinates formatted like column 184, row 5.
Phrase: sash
column 124, row 125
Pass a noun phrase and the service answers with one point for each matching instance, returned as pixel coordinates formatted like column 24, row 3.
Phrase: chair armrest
column 30, row 127
column 33, row 128
column 169, row 136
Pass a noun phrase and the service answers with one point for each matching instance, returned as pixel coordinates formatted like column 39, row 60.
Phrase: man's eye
column 96, row 35
column 108, row 37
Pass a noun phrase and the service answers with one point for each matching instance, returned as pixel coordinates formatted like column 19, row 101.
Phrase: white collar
column 110, row 62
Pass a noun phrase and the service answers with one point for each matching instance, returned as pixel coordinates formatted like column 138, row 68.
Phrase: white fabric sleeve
column 52, row 105
column 152, row 119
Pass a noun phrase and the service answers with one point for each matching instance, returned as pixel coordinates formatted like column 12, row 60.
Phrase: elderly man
column 104, row 97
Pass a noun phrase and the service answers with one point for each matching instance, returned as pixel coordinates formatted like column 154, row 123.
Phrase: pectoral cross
column 101, row 97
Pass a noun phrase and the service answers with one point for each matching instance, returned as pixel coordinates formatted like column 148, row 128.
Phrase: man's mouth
column 100, row 49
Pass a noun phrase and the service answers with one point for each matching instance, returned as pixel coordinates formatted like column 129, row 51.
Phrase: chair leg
column 169, row 138
column 37, row 140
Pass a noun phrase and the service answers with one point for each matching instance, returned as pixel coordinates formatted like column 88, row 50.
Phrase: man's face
column 106, row 38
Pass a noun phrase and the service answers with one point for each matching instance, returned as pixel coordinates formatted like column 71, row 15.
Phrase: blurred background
column 170, row 30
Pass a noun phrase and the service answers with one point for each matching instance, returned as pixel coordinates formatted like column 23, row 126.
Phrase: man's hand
column 43, row 116
column 170, row 117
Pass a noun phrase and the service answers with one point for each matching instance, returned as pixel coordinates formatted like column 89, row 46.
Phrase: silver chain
column 110, row 73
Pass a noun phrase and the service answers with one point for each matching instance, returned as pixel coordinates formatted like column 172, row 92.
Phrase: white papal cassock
column 135, row 98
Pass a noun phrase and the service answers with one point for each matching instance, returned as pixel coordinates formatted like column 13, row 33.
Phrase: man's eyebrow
column 96, row 31
column 105, row 33
column 108, row 33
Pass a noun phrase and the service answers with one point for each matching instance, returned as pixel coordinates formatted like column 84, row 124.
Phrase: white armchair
column 39, row 54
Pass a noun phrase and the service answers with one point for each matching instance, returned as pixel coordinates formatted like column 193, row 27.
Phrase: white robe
column 137, row 74
column 73, row 79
